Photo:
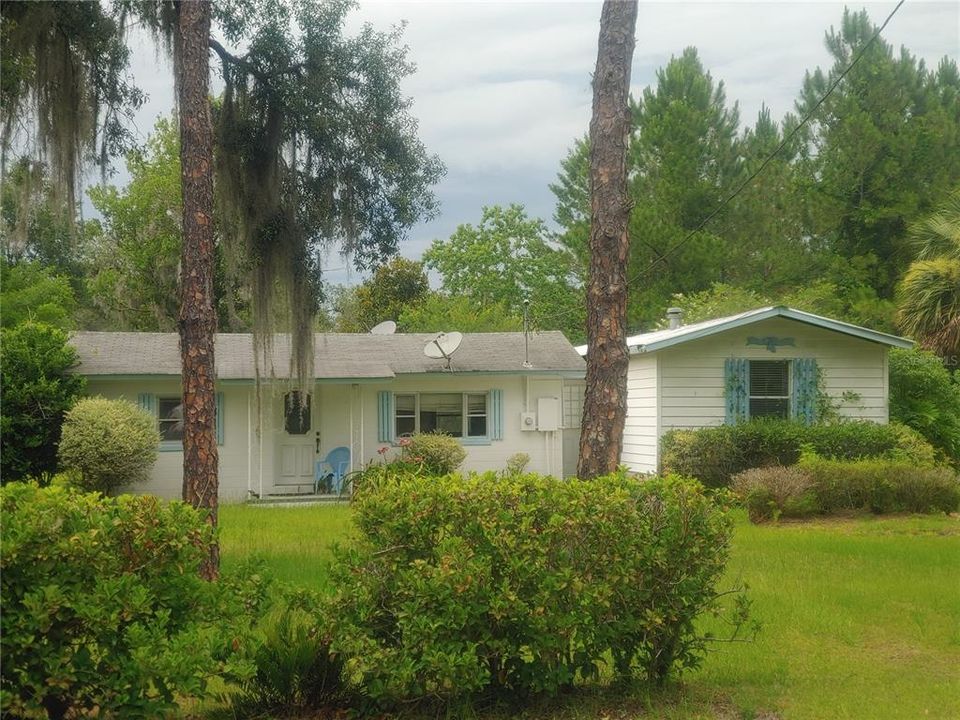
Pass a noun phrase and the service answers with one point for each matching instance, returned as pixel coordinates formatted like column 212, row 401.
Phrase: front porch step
column 292, row 499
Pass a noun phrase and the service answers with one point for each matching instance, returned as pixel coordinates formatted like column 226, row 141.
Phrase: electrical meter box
column 548, row 414
column 528, row 421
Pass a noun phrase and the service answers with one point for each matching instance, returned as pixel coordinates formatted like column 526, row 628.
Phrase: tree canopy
column 509, row 258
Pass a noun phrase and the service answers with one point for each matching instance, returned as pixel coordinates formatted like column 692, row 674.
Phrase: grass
column 294, row 541
column 861, row 618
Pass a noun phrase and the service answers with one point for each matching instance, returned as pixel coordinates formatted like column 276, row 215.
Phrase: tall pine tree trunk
column 605, row 404
column 197, row 322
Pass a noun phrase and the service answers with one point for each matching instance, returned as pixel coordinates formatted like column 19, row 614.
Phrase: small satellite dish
column 443, row 346
column 387, row 327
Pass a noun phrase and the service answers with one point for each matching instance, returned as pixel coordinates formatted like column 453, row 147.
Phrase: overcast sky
column 502, row 89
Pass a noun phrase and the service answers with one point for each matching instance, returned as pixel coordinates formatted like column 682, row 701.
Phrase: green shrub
column 926, row 397
column 108, row 443
column 822, row 486
column 776, row 491
column 437, row 453
column 714, row 455
column 36, row 389
column 294, row 669
column 523, row 584
column 104, row 613
column 882, row 486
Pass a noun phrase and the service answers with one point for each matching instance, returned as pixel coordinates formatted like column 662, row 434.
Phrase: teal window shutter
column 736, row 378
column 496, row 414
column 385, row 416
column 219, row 419
column 148, row 402
column 804, row 405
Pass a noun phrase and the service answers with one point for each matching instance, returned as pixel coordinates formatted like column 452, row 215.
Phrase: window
column 461, row 415
column 296, row 413
column 406, row 415
column 170, row 418
column 168, row 410
column 573, row 404
column 770, row 388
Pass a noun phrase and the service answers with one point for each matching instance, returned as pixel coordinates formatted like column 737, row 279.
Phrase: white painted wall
column 690, row 385
column 167, row 476
column 344, row 414
column 641, row 433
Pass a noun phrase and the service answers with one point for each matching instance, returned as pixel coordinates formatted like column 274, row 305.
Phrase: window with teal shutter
column 169, row 415
column 385, row 416
column 736, row 389
column 805, row 390
column 147, row 402
column 496, row 414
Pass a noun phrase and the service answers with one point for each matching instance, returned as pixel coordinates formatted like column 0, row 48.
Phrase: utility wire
column 806, row 118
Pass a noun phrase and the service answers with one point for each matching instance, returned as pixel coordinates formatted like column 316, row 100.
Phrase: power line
column 806, row 118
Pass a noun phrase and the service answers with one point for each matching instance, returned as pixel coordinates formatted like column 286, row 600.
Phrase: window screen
column 476, row 415
column 443, row 412
column 769, row 388
column 406, row 414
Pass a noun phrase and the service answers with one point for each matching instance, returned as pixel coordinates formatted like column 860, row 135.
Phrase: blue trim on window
column 736, row 384
column 385, row 419
column 804, row 400
column 171, row 446
column 496, row 414
column 475, row 441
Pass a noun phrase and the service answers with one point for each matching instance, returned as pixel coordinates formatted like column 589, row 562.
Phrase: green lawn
column 861, row 618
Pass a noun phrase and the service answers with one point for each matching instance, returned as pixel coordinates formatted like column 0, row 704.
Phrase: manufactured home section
column 641, row 433
column 853, row 371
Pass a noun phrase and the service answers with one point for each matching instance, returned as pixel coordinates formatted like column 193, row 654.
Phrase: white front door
column 296, row 463
column 296, row 445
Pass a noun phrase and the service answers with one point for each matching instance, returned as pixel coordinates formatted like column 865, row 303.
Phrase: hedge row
column 512, row 584
column 104, row 612
column 819, row 486
column 523, row 584
column 714, row 455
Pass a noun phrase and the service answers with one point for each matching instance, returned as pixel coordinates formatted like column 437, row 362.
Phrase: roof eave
column 778, row 311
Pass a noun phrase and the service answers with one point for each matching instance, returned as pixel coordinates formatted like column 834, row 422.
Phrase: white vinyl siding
column 692, row 380
column 640, row 428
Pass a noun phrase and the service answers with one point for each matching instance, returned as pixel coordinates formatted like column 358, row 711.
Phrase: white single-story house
column 499, row 394
column 769, row 362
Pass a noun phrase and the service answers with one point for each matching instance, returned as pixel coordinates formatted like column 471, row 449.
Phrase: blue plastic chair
column 338, row 462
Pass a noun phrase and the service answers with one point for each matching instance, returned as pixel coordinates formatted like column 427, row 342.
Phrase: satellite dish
column 443, row 346
column 387, row 327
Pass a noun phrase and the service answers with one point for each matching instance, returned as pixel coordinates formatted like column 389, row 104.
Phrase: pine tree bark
column 197, row 321
column 605, row 403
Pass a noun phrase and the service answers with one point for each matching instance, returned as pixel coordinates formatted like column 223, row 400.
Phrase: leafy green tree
column 509, row 258
column 821, row 297
column 881, row 150
column 135, row 256
column 135, row 285
column 391, row 289
column 30, row 291
column 37, row 388
column 924, row 396
column 33, row 226
column 682, row 159
column 65, row 90
column 929, row 295
column 439, row 312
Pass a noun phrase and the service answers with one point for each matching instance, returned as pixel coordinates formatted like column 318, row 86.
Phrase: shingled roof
column 336, row 355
